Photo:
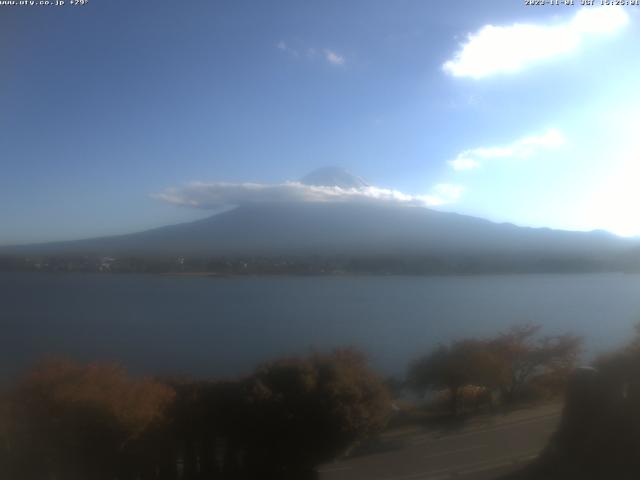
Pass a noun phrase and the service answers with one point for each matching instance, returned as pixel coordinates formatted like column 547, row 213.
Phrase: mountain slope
column 345, row 229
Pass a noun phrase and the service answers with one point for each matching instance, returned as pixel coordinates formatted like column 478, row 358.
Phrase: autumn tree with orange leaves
column 525, row 355
column 82, row 422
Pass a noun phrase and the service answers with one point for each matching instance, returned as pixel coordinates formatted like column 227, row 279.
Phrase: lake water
column 225, row 326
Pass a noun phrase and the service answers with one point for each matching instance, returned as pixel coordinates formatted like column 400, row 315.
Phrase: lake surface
column 225, row 326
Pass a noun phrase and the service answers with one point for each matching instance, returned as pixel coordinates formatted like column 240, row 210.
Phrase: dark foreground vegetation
column 70, row 422
column 599, row 435
column 95, row 422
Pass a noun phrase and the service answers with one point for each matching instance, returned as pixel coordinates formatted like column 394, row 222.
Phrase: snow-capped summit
column 333, row 177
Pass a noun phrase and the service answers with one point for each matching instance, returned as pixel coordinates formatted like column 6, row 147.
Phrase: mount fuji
column 351, row 229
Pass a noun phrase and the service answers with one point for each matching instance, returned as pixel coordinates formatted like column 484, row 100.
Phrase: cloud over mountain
column 218, row 194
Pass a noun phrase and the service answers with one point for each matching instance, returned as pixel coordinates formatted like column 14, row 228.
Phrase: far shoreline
column 324, row 275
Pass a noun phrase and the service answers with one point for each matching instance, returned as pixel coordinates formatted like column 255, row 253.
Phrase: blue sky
column 111, row 111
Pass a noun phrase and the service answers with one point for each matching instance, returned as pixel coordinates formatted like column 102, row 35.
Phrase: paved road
column 484, row 449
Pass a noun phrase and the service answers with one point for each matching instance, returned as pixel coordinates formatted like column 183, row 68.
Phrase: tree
column 280, row 422
column 208, row 429
column 599, row 433
column 96, row 422
column 523, row 355
column 82, row 421
column 303, row 411
column 453, row 366
column 6, row 428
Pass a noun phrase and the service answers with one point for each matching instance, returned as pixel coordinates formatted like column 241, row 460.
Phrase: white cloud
column 464, row 163
column 509, row 49
column 520, row 149
column 215, row 195
column 612, row 202
column 444, row 193
column 333, row 57
column 284, row 47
